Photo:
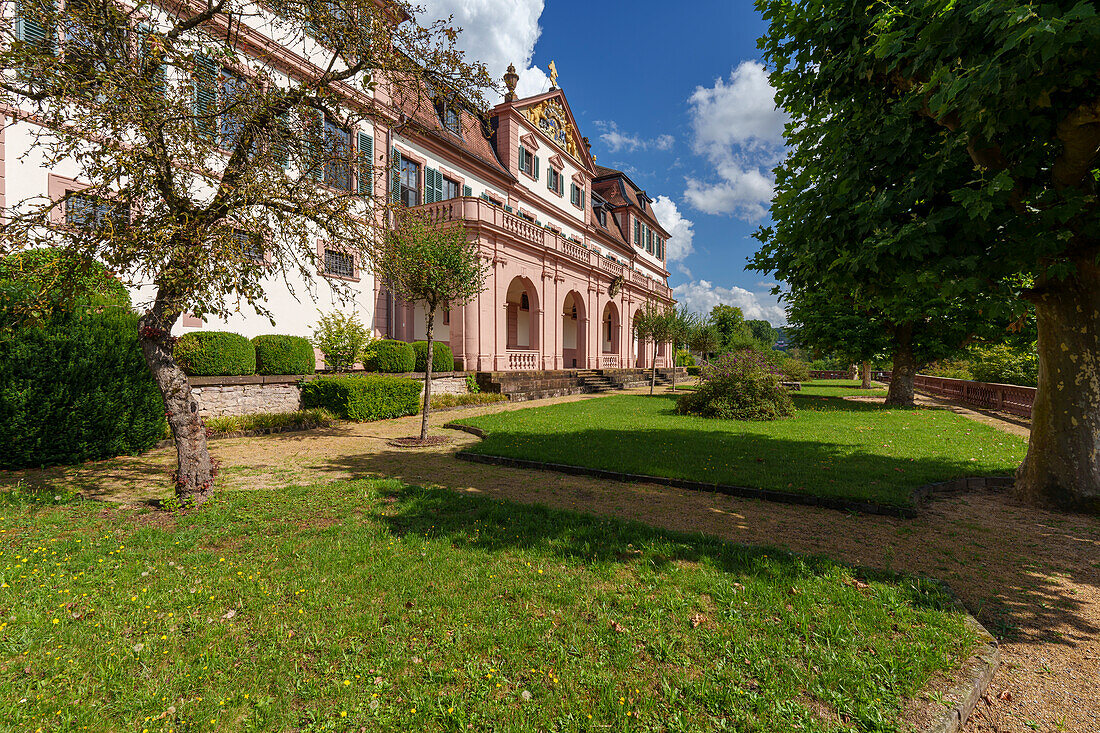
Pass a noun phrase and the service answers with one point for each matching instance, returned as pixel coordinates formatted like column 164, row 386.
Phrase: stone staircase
column 537, row 385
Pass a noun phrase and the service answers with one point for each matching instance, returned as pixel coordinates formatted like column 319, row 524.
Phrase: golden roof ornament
column 553, row 76
column 510, row 80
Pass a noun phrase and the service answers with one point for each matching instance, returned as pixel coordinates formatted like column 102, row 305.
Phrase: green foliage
column 341, row 337
column 1005, row 365
column 64, row 277
column 215, row 354
column 278, row 354
column 443, row 360
column 462, row 400
column 729, row 324
column 301, row 419
column 471, row 384
column 369, row 397
column 704, row 339
column 738, row 386
column 950, row 368
column 392, row 357
column 76, row 389
column 763, row 331
column 793, row 370
column 693, row 371
column 684, row 358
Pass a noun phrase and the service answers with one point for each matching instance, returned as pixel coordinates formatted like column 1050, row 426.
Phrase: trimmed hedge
column 392, row 357
column 215, row 354
column 693, row 371
column 443, row 359
column 279, row 354
column 372, row 397
column 76, row 389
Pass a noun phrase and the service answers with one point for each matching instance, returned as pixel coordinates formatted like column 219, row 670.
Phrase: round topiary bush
column 215, row 354
column 392, row 357
column 738, row 386
column 279, row 354
column 443, row 359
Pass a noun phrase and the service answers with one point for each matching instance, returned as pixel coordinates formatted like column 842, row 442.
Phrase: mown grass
column 378, row 606
column 830, row 447
column 840, row 388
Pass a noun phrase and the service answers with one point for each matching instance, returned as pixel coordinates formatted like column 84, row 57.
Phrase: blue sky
column 675, row 96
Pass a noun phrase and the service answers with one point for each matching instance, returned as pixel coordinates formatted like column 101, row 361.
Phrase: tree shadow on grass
column 1003, row 559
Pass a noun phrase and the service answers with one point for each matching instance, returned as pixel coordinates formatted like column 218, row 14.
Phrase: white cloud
column 702, row 295
column 616, row 140
column 497, row 33
column 737, row 127
column 680, row 231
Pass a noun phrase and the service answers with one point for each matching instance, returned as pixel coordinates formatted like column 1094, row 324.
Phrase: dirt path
column 1032, row 577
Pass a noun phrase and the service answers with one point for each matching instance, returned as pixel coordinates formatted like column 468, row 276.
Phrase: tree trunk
column 674, row 366
column 905, row 368
column 194, row 477
column 865, row 374
column 653, row 373
column 1062, row 467
column 428, row 376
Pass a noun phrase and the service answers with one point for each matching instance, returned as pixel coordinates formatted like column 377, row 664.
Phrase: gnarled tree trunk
column 905, row 367
column 194, row 477
column 1062, row 467
column 865, row 375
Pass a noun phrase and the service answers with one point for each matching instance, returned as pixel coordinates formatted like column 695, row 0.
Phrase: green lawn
column 377, row 606
column 840, row 388
column 830, row 447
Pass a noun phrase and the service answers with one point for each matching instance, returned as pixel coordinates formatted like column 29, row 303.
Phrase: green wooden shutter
column 395, row 176
column 550, row 179
column 205, row 81
column 431, row 193
column 582, row 198
column 522, row 157
column 33, row 25
column 365, row 175
column 280, row 143
column 536, row 167
column 467, row 191
column 318, row 156
column 637, row 233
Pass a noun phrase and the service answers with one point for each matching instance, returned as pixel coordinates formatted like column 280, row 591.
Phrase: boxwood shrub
column 443, row 359
column 369, row 397
column 278, row 354
column 215, row 354
column 76, row 389
column 693, row 371
column 392, row 357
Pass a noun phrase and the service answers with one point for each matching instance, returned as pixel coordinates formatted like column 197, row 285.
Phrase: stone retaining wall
column 255, row 394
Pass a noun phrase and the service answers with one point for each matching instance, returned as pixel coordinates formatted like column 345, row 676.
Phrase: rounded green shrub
column 741, row 385
column 76, row 388
column 279, row 354
column 693, row 371
column 685, row 358
column 392, row 357
column 215, row 354
column 443, row 359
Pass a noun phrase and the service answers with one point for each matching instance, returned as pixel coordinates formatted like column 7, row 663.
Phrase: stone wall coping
column 229, row 381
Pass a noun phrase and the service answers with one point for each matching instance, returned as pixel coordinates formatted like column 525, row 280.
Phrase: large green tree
column 208, row 166
column 1014, row 88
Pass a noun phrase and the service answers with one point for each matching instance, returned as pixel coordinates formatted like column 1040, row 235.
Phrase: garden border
column 978, row 669
column 919, row 495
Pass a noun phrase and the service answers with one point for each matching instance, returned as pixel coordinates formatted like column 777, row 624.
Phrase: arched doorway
column 523, row 308
column 609, row 334
column 574, row 331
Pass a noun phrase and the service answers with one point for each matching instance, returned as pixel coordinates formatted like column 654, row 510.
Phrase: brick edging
column 980, row 668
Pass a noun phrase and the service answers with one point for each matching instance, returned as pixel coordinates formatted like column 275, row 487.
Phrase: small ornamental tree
column 681, row 323
column 209, row 169
column 341, row 338
column 653, row 323
column 434, row 265
column 704, row 339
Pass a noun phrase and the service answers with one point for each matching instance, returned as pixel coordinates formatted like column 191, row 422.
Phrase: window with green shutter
column 365, row 174
column 395, row 176
column 467, row 191
column 34, row 23
column 637, row 232
column 205, row 81
column 433, row 186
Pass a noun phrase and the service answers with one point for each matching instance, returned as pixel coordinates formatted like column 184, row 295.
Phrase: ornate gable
column 552, row 116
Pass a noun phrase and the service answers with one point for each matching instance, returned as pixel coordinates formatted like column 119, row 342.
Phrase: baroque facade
column 574, row 249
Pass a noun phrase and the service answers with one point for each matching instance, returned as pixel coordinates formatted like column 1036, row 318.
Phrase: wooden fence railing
column 1010, row 398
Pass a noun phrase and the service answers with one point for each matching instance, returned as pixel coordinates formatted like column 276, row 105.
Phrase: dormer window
column 448, row 116
column 601, row 215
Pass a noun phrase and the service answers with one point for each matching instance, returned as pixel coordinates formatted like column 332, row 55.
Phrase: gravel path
column 1032, row 577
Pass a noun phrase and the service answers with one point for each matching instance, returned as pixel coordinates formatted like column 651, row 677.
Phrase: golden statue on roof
column 553, row 75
